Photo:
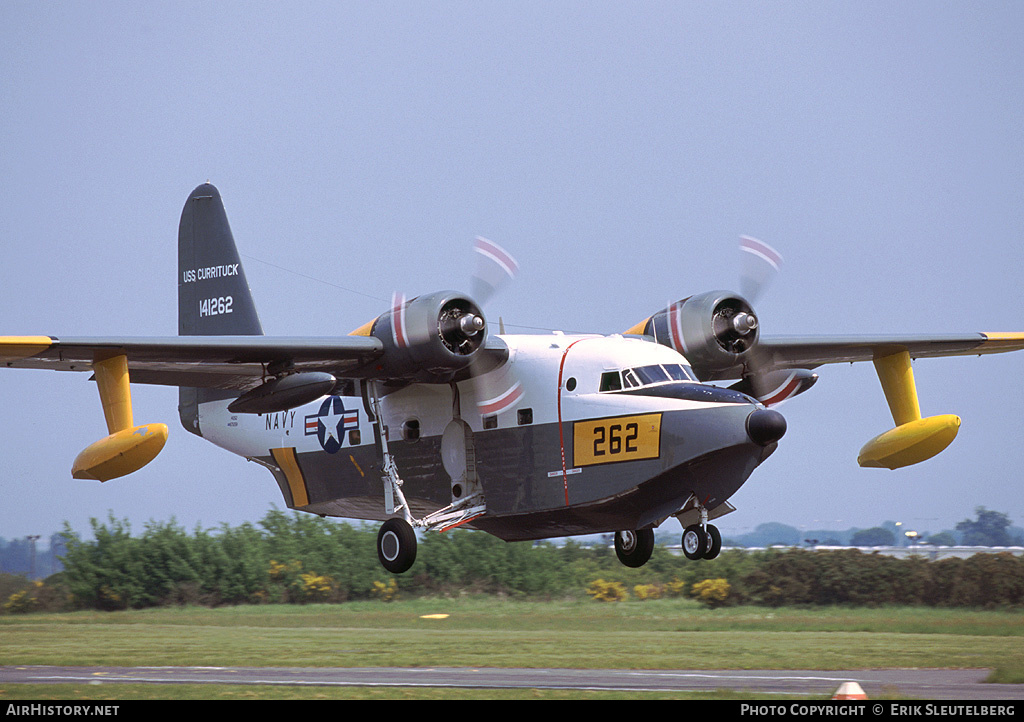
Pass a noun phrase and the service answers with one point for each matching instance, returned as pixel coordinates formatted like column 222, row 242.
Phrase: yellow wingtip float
column 910, row 443
column 128, row 447
column 120, row 453
column 914, row 439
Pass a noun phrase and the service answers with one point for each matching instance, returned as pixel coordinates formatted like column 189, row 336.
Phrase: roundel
column 331, row 422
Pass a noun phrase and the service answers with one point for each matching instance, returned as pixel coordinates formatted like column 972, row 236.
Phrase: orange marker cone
column 849, row 690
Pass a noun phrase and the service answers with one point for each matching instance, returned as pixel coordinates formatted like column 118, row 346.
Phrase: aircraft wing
column 779, row 369
column 224, row 362
column 808, row 352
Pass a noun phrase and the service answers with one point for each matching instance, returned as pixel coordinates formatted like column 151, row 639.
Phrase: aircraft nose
column 765, row 426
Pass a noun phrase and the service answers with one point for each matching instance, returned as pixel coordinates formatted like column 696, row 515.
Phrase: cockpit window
column 651, row 375
column 611, row 381
column 645, row 376
column 679, row 372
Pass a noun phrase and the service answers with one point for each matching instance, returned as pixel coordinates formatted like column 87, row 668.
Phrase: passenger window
column 525, row 416
column 611, row 381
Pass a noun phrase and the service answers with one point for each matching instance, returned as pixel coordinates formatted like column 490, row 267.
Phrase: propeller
column 494, row 268
column 759, row 264
column 495, row 390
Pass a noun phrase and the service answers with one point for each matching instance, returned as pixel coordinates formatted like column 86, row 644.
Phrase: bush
column 23, row 601
column 603, row 591
column 648, row 591
column 711, row 592
column 386, row 592
column 301, row 558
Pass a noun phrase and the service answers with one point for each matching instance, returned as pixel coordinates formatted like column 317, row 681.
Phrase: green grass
column 488, row 632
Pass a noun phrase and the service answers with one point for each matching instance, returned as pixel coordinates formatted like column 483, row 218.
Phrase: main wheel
column 634, row 548
column 396, row 545
column 695, row 542
column 714, row 542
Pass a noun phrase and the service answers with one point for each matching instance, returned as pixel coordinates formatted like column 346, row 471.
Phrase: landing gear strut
column 396, row 540
column 634, row 548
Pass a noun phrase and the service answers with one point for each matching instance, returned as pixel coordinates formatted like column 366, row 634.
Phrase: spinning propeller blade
column 494, row 268
column 759, row 263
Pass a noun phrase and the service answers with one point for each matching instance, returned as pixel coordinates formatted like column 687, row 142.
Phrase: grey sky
column 617, row 150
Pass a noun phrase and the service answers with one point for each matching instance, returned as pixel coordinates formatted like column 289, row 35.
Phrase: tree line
column 988, row 528
column 289, row 557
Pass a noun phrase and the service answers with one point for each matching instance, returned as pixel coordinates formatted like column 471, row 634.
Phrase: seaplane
column 425, row 420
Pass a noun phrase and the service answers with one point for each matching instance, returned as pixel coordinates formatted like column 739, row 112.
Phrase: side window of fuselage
column 611, row 381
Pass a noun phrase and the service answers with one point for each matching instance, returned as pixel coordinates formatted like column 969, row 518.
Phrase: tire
column 695, row 542
column 634, row 548
column 396, row 545
column 714, row 542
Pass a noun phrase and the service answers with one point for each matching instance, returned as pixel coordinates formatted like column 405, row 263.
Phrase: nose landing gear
column 701, row 541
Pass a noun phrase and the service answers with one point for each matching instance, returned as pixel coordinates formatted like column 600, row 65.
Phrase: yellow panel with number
column 621, row 438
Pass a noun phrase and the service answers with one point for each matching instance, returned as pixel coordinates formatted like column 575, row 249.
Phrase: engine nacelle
column 429, row 339
column 715, row 331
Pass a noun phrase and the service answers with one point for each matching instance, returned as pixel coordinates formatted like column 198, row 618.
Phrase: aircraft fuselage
column 574, row 435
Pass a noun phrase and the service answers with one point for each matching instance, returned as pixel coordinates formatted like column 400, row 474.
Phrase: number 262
column 610, row 440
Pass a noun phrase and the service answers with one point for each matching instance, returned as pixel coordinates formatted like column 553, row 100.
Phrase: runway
column 916, row 683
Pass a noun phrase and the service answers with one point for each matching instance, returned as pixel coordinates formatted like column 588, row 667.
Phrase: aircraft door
column 458, row 456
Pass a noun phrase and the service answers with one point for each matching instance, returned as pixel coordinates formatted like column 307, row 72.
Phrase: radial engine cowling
column 715, row 331
column 430, row 339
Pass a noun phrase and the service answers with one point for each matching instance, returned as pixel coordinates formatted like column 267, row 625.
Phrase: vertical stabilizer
column 213, row 294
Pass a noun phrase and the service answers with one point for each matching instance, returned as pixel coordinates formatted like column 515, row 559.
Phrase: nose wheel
column 701, row 541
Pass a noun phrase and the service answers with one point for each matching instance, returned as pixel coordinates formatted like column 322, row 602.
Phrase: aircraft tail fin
column 213, row 294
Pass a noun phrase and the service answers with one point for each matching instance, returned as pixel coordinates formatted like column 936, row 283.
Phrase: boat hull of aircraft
column 524, row 500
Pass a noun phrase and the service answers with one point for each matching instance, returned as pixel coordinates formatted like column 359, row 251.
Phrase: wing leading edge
column 809, row 352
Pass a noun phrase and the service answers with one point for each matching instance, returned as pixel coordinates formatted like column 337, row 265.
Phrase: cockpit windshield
column 645, row 376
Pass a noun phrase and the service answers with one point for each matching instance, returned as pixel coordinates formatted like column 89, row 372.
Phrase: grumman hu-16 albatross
column 422, row 420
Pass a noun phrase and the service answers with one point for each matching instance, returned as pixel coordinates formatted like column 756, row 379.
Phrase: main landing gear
column 634, row 548
column 396, row 540
column 396, row 545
